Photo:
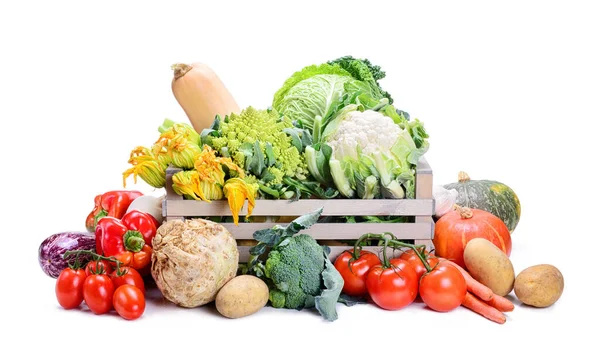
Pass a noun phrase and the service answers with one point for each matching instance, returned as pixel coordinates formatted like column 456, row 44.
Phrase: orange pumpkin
column 456, row 228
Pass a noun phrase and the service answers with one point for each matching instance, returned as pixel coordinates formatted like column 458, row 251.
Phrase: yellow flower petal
column 145, row 165
column 188, row 183
column 237, row 191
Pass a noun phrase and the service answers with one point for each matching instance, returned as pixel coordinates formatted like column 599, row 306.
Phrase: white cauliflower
column 368, row 130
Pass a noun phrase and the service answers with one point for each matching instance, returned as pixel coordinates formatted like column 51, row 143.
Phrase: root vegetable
column 540, row 285
column 192, row 260
column 483, row 309
column 489, row 265
column 242, row 296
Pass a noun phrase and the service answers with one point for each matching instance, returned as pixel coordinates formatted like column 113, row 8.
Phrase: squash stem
column 179, row 70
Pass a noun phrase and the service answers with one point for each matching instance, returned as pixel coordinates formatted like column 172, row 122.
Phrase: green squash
column 491, row 196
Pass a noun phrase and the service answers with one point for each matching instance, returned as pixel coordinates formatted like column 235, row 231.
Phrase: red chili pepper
column 110, row 204
column 129, row 239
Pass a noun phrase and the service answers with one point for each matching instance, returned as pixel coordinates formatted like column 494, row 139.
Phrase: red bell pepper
column 129, row 239
column 112, row 204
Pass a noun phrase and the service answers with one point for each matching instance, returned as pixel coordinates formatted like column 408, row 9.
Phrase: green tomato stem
column 95, row 256
column 395, row 241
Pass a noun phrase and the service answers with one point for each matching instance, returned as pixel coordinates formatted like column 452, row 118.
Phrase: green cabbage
column 318, row 90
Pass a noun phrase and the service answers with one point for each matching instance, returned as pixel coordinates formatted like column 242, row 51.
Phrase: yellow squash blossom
column 188, row 183
column 207, row 182
column 237, row 191
column 147, row 166
column 179, row 145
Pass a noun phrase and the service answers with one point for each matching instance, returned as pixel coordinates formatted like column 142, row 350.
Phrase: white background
column 507, row 92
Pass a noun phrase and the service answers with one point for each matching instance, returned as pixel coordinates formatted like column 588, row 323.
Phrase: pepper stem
column 133, row 241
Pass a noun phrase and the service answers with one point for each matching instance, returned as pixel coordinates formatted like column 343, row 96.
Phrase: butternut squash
column 201, row 94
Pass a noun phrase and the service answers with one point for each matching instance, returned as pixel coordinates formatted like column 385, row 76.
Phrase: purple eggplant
column 53, row 248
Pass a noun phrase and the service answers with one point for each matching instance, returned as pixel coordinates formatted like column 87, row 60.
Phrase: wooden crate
column 419, row 232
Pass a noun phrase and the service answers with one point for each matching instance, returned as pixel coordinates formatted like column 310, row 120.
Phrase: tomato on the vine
column 129, row 301
column 98, row 292
column 354, row 271
column 444, row 288
column 69, row 287
column 101, row 266
column 394, row 287
column 411, row 257
column 127, row 275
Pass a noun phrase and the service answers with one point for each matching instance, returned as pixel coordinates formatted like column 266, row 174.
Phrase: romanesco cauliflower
column 241, row 135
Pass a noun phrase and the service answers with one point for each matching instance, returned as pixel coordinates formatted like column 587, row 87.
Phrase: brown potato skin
column 539, row 285
column 242, row 296
column 489, row 266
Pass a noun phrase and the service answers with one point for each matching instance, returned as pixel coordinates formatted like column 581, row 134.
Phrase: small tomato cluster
column 393, row 284
column 102, row 287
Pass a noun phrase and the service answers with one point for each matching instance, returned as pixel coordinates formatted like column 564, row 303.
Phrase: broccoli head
column 295, row 269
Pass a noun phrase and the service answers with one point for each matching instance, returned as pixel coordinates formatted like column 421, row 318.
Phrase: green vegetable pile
column 296, row 268
column 361, row 146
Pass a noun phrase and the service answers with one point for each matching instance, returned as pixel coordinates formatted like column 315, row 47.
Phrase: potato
column 242, row 296
column 489, row 266
column 540, row 285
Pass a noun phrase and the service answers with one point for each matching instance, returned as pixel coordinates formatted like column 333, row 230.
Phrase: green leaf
column 333, row 281
column 212, row 131
column 307, row 138
column 302, row 222
column 350, row 300
column 257, row 161
column 268, row 191
column 258, row 249
column 268, row 236
column 247, row 149
column 296, row 141
column 270, row 154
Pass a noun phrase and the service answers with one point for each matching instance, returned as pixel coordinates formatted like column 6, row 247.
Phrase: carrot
column 501, row 303
column 474, row 286
column 483, row 309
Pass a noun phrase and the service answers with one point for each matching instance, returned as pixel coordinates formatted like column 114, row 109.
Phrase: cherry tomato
column 395, row 287
column 69, row 287
column 98, row 292
column 443, row 289
column 128, row 276
column 129, row 301
column 411, row 257
column 98, row 267
column 354, row 271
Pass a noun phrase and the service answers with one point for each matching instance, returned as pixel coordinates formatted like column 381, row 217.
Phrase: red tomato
column 411, row 257
column 443, row 289
column 101, row 266
column 128, row 276
column 395, row 287
column 129, row 301
column 354, row 271
column 98, row 292
column 69, row 287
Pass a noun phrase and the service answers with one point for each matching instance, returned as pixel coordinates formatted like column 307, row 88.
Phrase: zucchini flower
column 210, row 167
column 149, row 167
column 237, row 191
column 207, row 182
column 179, row 144
column 189, row 184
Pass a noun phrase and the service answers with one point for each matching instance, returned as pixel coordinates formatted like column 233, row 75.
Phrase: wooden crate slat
column 337, row 207
column 340, row 231
column 335, row 251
